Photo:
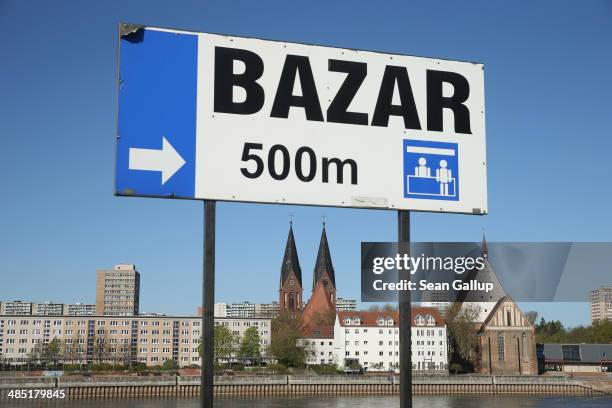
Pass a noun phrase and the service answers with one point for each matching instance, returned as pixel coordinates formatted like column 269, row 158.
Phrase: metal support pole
column 208, row 303
column 403, row 236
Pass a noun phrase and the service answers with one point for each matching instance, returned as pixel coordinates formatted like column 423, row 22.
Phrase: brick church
column 320, row 310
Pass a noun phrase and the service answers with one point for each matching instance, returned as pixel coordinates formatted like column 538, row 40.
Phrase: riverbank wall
column 124, row 387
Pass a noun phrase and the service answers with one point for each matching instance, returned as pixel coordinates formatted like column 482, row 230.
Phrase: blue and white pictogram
column 431, row 170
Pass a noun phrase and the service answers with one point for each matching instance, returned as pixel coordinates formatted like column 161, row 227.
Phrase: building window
column 571, row 352
column 508, row 317
column 501, row 352
column 524, row 341
column 291, row 301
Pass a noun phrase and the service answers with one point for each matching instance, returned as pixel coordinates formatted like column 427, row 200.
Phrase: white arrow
column 167, row 160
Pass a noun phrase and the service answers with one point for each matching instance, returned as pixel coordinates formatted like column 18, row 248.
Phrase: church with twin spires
column 321, row 307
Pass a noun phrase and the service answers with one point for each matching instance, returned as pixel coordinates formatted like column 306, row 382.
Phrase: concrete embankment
column 107, row 387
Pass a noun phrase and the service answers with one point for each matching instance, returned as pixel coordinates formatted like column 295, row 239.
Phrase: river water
column 327, row 402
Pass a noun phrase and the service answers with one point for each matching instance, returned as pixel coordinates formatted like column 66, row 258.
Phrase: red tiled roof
column 318, row 332
column 371, row 318
column 319, row 305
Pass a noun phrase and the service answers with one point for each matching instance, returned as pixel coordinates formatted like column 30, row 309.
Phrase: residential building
column 92, row 339
column 244, row 309
column 16, row 307
column 79, row 309
column 322, row 346
column 221, row 310
column 239, row 325
column 345, row 305
column 48, row 309
column 118, row 291
column 601, row 304
column 371, row 340
column 269, row 310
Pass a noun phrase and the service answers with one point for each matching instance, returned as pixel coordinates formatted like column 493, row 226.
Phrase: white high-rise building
column 221, row 309
column 601, row 304
column 244, row 309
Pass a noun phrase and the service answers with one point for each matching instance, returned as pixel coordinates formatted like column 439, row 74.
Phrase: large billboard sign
column 206, row 116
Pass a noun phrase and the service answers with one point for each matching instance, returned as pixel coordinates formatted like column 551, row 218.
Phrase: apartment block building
column 16, row 307
column 118, row 291
column 344, row 305
column 48, row 309
column 244, row 309
column 601, row 304
column 80, row 309
column 221, row 310
column 21, row 308
column 269, row 310
column 371, row 340
column 93, row 339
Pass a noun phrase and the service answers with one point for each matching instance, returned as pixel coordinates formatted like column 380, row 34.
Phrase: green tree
column 532, row 316
column 52, row 351
column 33, row 357
column 287, row 344
column 224, row 344
column 169, row 364
column 389, row 308
column 100, row 351
column 461, row 325
column 455, row 368
column 554, row 332
column 250, row 348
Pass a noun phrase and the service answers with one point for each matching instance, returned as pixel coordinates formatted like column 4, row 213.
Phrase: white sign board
column 205, row 116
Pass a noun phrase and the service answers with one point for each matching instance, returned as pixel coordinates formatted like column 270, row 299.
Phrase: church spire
column 484, row 250
column 291, row 263
column 324, row 262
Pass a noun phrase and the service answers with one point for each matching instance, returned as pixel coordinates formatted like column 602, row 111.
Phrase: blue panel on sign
column 431, row 170
column 157, row 115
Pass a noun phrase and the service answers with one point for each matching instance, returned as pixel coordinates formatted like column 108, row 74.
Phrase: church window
column 501, row 349
column 291, row 301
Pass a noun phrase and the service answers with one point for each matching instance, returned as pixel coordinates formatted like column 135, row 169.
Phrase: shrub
column 326, row 369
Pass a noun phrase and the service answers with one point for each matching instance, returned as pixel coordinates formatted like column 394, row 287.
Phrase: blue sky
column 548, row 87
